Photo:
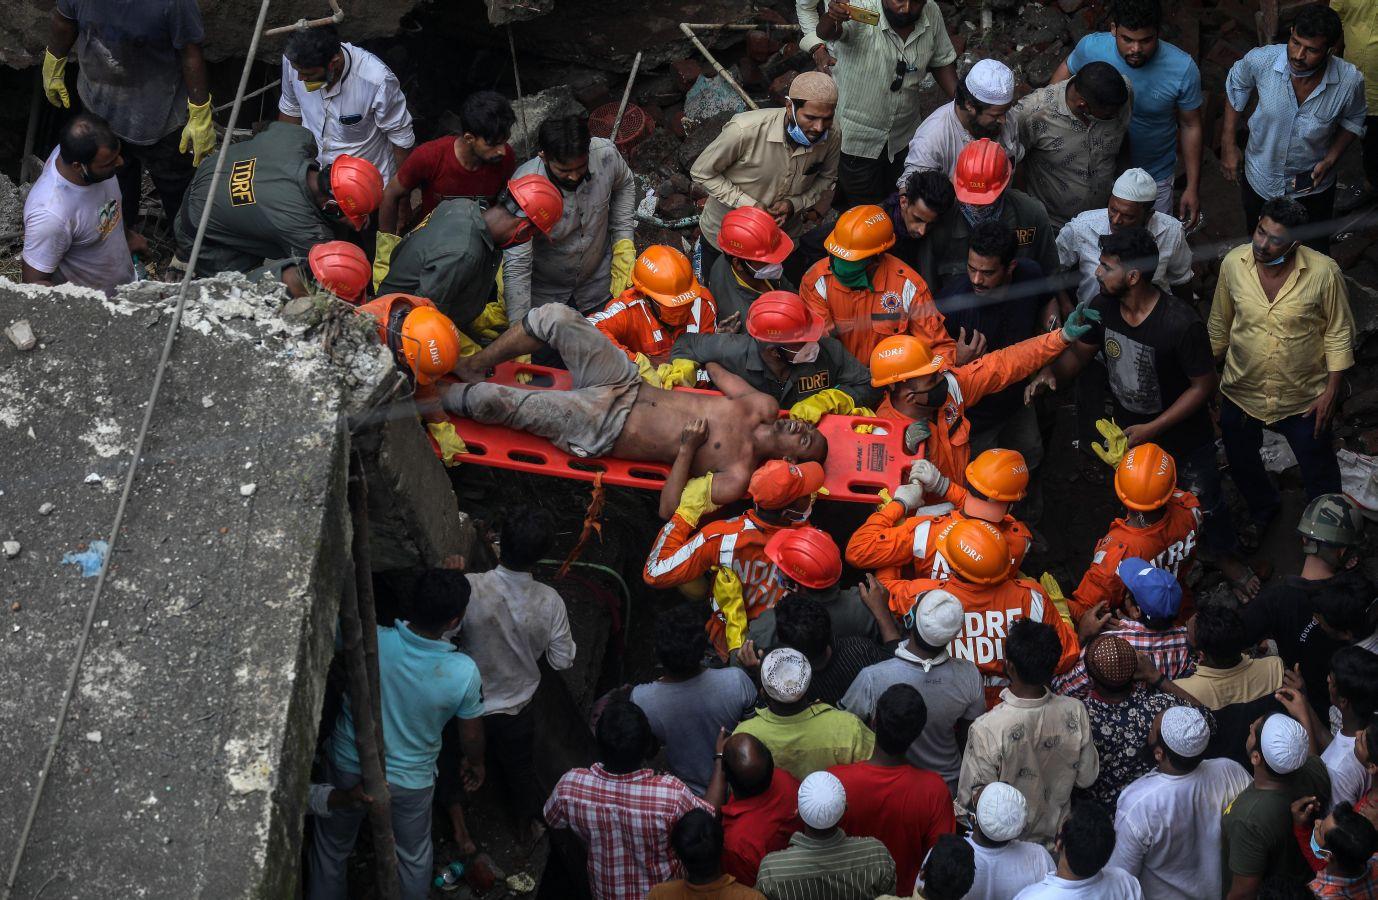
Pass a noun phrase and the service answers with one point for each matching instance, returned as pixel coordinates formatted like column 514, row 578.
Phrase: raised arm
column 732, row 386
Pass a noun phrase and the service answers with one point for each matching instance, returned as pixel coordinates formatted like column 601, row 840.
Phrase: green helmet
column 1332, row 519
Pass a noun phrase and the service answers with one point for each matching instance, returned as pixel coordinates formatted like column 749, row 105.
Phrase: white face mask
column 769, row 271
column 806, row 354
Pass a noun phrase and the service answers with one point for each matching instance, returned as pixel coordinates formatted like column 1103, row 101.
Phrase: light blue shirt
column 423, row 684
column 1287, row 138
column 1169, row 81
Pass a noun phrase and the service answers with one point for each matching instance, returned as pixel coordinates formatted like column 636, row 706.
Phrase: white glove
column 927, row 474
column 911, row 493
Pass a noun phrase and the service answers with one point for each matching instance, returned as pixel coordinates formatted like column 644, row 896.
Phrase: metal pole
column 303, row 24
column 688, row 31
column 31, row 134
column 366, row 712
column 622, row 107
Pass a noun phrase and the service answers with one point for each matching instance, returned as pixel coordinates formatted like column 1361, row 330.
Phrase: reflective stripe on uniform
column 676, row 559
column 907, row 294
column 694, row 314
column 1036, row 606
column 954, row 390
column 821, row 285
column 609, row 312
column 921, row 539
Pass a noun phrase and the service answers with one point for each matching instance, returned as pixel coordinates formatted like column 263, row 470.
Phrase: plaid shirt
column 1365, row 887
column 1168, row 650
column 625, row 820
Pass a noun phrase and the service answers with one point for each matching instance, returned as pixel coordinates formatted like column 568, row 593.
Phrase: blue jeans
column 1198, row 472
column 1243, row 437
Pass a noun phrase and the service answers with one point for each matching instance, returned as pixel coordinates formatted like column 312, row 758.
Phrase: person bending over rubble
column 611, row 412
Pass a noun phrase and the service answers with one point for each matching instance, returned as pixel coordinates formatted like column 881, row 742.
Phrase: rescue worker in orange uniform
column 864, row 294
column 337, row 267
column 783, row 494
column 664, row 302
column 426, row 345
column 992, row 596
column 1160, row 525
column 929, row 396
column 904, row 533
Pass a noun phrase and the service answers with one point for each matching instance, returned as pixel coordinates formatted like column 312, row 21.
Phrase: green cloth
column 1256, row 831
column 812, row 740
column 262, row 208
column 835, row 867
column 449, row 259
column 852, row 272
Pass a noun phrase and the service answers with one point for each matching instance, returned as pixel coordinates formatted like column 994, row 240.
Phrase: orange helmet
column 340, row 268
column 666, row 276
column 983, row 172
column 539, row 199
column 901, row 357
column 1000, row 475
column 430, row 342
column 1146, row 477
column 781, row 317
column 806, row 555
column 356, row 187
column 976, row 550
column 861, row 232
column 751, row 233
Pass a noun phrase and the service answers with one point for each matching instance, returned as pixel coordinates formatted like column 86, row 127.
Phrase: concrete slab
column 183, row 768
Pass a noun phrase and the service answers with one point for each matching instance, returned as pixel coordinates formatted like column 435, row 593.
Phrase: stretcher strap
column 592, row 524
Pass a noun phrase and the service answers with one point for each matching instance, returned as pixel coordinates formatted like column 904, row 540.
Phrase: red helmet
column 751, row 233
column 539, row 199
column 340, row 268
column 780, row 317
column 983, row 172
column 805, row 555
column 357, row 189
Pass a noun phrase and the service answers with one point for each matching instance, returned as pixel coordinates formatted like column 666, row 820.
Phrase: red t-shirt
column 432, row 167
column 759, row 825
column 905, row 808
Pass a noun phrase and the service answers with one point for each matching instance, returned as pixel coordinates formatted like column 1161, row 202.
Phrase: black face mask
column 937, row 395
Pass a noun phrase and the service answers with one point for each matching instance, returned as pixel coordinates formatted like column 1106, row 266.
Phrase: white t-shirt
column 1002, row 872
column 1348, row 778
column 77, row 231
column 1167, row 828
column 1107, row 884
column 363, row 114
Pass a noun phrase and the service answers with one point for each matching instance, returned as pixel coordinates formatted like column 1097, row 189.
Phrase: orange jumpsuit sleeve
column 886, row 538
column 1048, row 614
column 615, row 321
column 1101, row 581
column 999, row 369
column 905, row 592
column 927, row 322
column 808, row 291
column 680, row 554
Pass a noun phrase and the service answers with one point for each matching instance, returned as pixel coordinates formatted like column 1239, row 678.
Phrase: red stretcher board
column 858, row 466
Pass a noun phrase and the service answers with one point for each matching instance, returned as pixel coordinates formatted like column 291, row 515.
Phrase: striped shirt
column 835, row 867
column 1168, row 649
column 875, row 121
column 1287, row 138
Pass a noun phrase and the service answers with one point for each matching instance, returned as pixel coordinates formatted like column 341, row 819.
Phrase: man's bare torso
column 652, row 430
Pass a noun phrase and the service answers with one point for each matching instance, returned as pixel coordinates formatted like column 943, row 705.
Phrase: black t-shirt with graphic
column 1151, row 364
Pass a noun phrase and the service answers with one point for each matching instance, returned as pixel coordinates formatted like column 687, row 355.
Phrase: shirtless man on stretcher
column 612, row 412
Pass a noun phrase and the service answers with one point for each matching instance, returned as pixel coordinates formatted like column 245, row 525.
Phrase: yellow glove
column 54, row 80
column 491, row 322
column 451, row 444
column 864, row 411
column 728, row 600
column 647, row 370
column 885, row 499
column 623, row 258
column 523, row 377
column 498, row 281
column 1051, row 587
column 830, row 400
column 382, row 256
column 684, row 372
column 1115, row 442
column 198, row 137
column 695, row 500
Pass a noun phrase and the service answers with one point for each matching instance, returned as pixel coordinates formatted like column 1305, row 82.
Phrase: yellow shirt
column 1360, row 18
column 812, row 740
column 1280, row 353
column 1249, row 680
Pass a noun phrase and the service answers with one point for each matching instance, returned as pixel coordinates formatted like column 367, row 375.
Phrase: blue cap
column 1155, row 590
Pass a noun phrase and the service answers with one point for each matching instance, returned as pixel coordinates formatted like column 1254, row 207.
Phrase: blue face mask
column 1316, row 849
column 797, row 134
column 978, row 215
column 1280, row 260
